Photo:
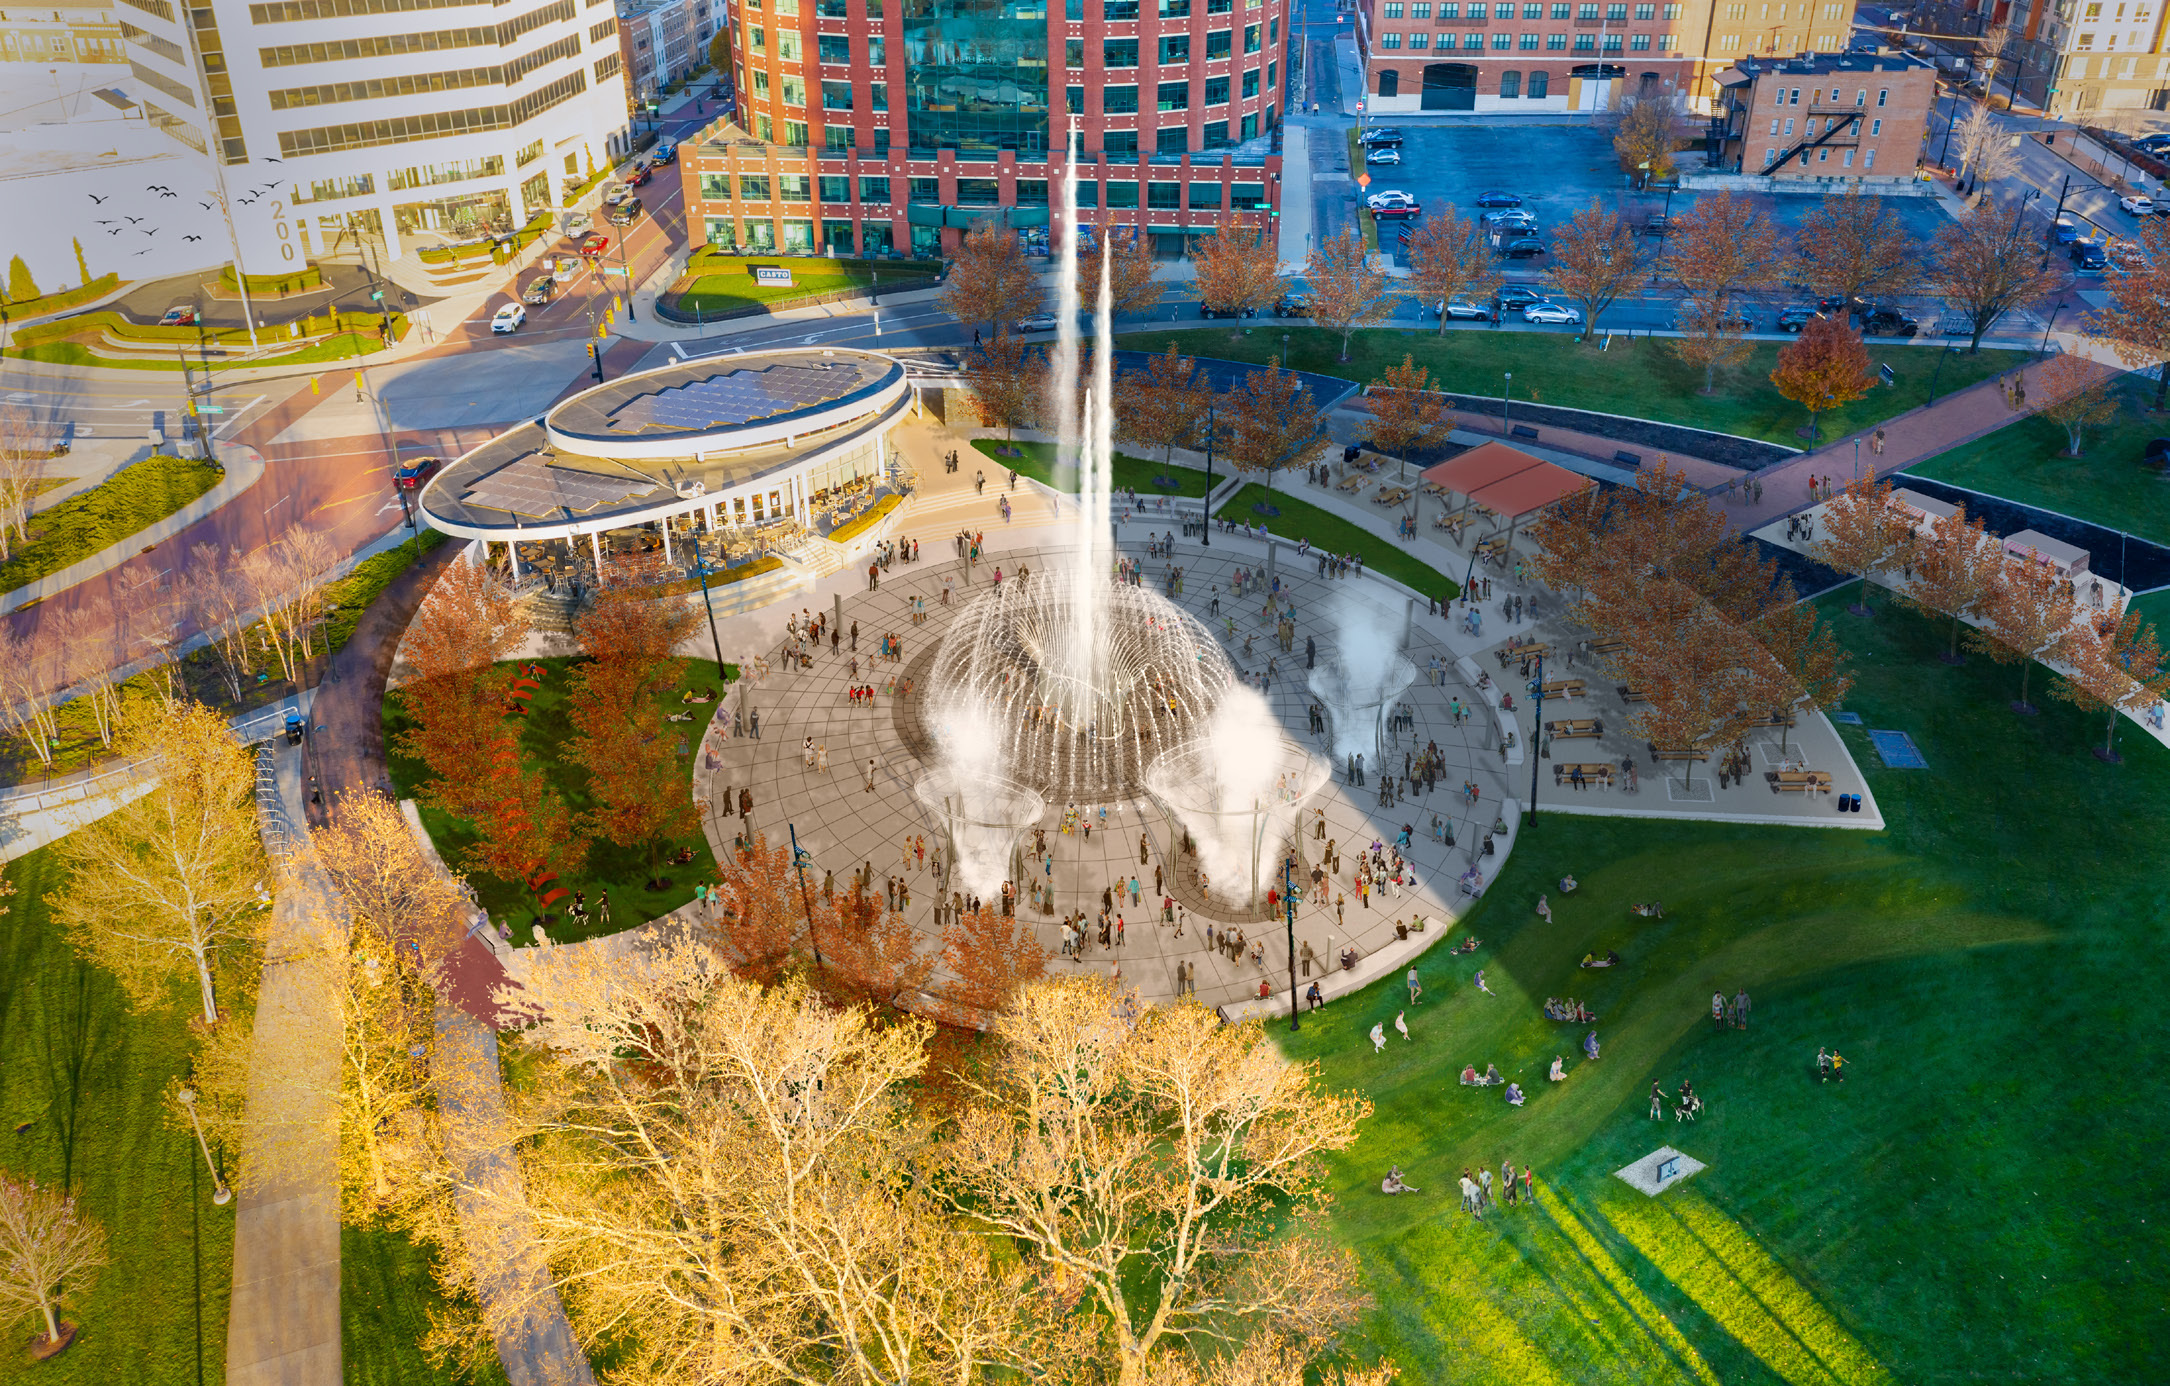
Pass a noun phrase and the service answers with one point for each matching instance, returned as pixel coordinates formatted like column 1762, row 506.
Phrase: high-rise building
column 335, row 125
column 51, row 34
column 879, row 126
column 1520, row 57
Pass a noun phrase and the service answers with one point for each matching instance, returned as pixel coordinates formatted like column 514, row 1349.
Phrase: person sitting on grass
column 1514, row 1095
column 1491, row 1076
column 1593, row 960
column 1559, row 1070
column 1469, row 1076
column 1393, row 1184
column 1567, row 885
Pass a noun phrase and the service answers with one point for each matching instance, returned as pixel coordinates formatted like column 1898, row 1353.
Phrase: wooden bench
column 1523, row 431
column 1564, row 688
column 1564, row 774
column 1629, row 693
column 1773, row 720
column 1664, row 753
column 1632, row 459
column 1798, row 781
column 1572, row 728
column 1352, row 483
column 1509, row 653
column 1391, row 495
column 1606, row 647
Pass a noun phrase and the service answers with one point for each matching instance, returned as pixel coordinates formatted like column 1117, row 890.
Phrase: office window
column 1175, row 9
column 757, row 40
column 836, row 96
column 1175, row 96
column 926, row 190
column 979, row 192
column 1164, row 197
column 1250, row 82
column 1073, row 100
column 794, row 187
column 794, row 91
column 1175, row 48
column 1205, row 196
column 877, row 51
column 1510, row 84
column 1216, row 91
column 1219, row 6
column 753, row 187
column 1032, row 192
column 1390, row 40
column 760, row 82
column 765, row 128
column 1122, row 193
column 873, row 189
column 1220, row 43
column 1073, row 52
column 835, row 48
column 1216, row 134
column 1503, row 40
column 877, row 96
column 1119, row 100
column 1559, row 11
column 1250, row 38
column 1246, row 197
column 1119, row 52
column 835, row 187
column 1452, row 9
column 1555, row 43
column 1639, row 43
column 1121, row 144
column 1088, row 193
column 788, row 46
column 1533, row 10
column 1586, row 10
column 1503, row 11
column 1529, row 42
column 1116, row 10
column 1420, row 39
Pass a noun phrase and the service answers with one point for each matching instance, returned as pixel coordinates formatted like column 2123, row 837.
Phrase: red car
column 412, row 476
column 638, row 176
column 594, row 244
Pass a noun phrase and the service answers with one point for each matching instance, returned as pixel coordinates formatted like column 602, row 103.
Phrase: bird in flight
column 95, row 198
column 132, row 220
column 205, row 205
column 191, row 238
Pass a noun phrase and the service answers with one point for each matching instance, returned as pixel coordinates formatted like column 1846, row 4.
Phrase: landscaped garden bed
column 130, row 501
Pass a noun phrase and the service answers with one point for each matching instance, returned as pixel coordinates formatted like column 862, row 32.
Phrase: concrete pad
column 1643, row 1175
column 490, row 387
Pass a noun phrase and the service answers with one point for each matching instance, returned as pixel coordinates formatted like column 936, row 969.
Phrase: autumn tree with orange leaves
column 1407, row 416
column 1825, row 367
column 1723, row 251
column 2029, row 619
column 990, row 280
column 2074, row 394
column 1237, row 270
column 1957, row 568
column 1346, row 292
column 1987, row 265
column 1131, row 285
column 1274, row 422
column 1595, row 259
column 636, row 774
column 1863, row 532
column 991, row 956
column 1448, row 259
column 1854, row 247
column 1165, row 405
column 2117, row 667
column 2137, row 321
column 1008, row 383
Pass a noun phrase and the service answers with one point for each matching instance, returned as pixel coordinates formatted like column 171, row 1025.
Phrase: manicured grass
column 545, row 737
column 721, row 283
column 1640, row 377
column 1971, row 1205
column 344, row 347
column 385, row 1297
column 865, row 521
column 1299, row 520
column 133, row 498
column 1038, row 461
column 83, row 1078
column 2106, row 483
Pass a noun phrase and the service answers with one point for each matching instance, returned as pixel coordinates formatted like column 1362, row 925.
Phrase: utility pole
column 1205, row 512
column 1537, row 731
column 1288, row 902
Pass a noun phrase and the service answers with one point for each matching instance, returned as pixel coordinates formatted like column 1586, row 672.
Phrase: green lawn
column 1300, row 520
column 82, row 1077
column 2106, row 483
column 1639, row 376
column 622, row 871
column 137, row 496
column 1037, row 460
column 1972, row 1205
column 386, row 1293
column 343, row 347
column 723, row 283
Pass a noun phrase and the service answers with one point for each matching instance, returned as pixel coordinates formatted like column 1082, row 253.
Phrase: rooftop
column 1820, row 65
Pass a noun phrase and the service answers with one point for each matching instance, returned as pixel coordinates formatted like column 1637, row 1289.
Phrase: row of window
column 416, row 84
column 1123, row 11
column 1776, row 43
column 981, row 192
column 382, row 46
column 1823, row 156
column 368, row 134
column 1530, row 43
column 1168, row 96
column 1510, row 85
column 1117, row 144
column 1503, row 9
column 1785, row 97
column 1876, row 127
column 1739, row 13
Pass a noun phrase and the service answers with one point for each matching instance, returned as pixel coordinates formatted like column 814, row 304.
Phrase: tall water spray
column 1088, row 445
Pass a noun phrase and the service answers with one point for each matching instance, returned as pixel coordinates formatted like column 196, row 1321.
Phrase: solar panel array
column 530, row 488
column 735, row 397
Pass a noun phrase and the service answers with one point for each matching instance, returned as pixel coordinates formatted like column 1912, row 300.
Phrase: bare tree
column 24, row 440
column 1985, row 149
column 393, row 892
column 90, row 651
column 216, row 595
column 47, row 1248
column 1988, row 265
column 31, row 675
column 286, row 580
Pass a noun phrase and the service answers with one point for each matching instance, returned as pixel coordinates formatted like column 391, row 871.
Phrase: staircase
column 550, row 611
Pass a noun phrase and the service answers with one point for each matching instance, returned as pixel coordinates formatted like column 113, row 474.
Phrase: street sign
column 1363, row 180
column 214, row 409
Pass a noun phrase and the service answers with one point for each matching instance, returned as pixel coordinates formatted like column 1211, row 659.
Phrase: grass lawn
column 1639, row 376
column 1037, row 460
column 1970, row 1206
column 2106, row 483
column 138, row 495
column 623, row 871
column 723, row 283
column 343, row 347
column 385, row 1295
column 1299, row 520
column 82, row 1077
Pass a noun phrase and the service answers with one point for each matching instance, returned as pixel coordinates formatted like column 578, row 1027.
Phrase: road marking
column 276, row 504
column 135, row 404
column 678, row 350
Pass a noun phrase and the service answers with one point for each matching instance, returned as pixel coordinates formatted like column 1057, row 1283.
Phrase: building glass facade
column 977, row 74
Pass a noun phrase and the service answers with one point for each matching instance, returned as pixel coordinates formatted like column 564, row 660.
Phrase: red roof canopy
column 1505, row 480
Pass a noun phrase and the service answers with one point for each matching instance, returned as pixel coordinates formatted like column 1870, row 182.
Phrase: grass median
column 716, row 284
column 130, row 501
column 1299, row 521
column 1639, row 377
column 1037, row 460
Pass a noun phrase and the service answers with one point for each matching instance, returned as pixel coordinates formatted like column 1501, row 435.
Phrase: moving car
column 540, row 291
column 576, row 222
column 594, row 244
column 638, row 176
column 1551, row 312
column 1380, row 135
column 1514, row 298
column 415, row 473
column 1468, row 308
column 509, row 318
column 2089, row 255
column 625, row 213
column 2137, row 204
column 1794, row 319
column 1038, row 322
column 179, row 315
column 1887, row 322
column 666, row 153
column 1522, row 248
column 1387, row 155
column 2064, row 231
column 1499, row 199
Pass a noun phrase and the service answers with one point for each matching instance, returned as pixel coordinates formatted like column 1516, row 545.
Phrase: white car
column 509, row 318
column 1552, row 312
column 1390, row 200
column 2136, row 204
column 618, row 193
column 1383, row 156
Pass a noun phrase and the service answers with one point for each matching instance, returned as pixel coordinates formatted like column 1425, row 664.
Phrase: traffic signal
column 376, row 295
column 313, row 385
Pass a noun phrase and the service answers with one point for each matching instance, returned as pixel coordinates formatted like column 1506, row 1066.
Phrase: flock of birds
column 114, row 228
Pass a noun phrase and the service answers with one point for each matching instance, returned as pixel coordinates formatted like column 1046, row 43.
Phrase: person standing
column 1529, row 1187
column 1717, row 1009
column 1469, row 1195
column 1416, row 990
column 1740, row 1010
column 1402, row 1024
column 1657, row 1102
column 1823, row 1064
column 1484, row 1177
column 1506, row 1178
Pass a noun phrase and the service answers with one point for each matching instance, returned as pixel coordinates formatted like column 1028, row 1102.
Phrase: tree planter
column 2025, row 709
column 1949, row 658
column 2107, row 757
column 44, row 1349
column 1857, row 609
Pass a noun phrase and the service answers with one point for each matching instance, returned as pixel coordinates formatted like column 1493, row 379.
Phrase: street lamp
column 1537, row 728
column 1288, row 902
column 220, row 1194
column 700, row 567
column 1504, row 391
column 800, row 860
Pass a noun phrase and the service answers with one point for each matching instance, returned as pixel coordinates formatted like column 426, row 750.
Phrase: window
column 1559, row 11
column 1119, row 52
column 1849, row 160
column 836, row 96
column 1646, row 10
column 1175, row 48
column 1617, row 10
column 1420, row 39
column 1390, row 40
column 835, row 48
column 1774, row 125
column 1868, row 159
column 1555, row 43
column 877, row 51
column 926, row 190
column 1769, row 155
column 1216, row 134
column 1073, row 52
column 1121, row 144
column 1671, row 12
column 1452, row 9
column 835, row 187
column 1823, row 156
column 1073, row 100
column 1420, row 9
column 1175, row 96
column 877, row 96
column 1216, row 91
column 753, row 187
column 873, row 189
column 1585, row 43
column 1539, row 85
column 794, row 91
column 1119, row 100
column 1861, row 96
column 1119, row 9
column 1533, row 11
column 1796, row 97
column 1219, row 6
column 1164, row 196
column 794, row 187
column 788, row 47
column 1503, row 11
column 1122, row 194
column 1876, row 127
column 1883, row 95
column 1586, row 11
column 1503, row 40
column 757, row 41
column 1639, row 43
column 979, row 192
column 1205, row 196
column 1510, row 84
column 1246, row 197
column 1250, row 83
column 1088, row 193
column 1175, row 9
column 1789, row 125
column 1611, row 43
column 1220, row 43
column 1529, row 42
column 760, row 82
column 1393, row 9
column 722, row 233
column 1667, row 42
column 1250, row 38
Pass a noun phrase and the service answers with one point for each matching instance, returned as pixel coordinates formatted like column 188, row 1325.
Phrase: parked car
column 1499, row 199
column 2137, row 204
column 1551, row 312
column 179, row 315
column 2089, row 255
column 615, row 194
column 2127, row 258
column 1382, row 155
column 1502, row 220
column 666, row 153
column 1469, row 309
column 625, row 213
column 1208, row 310
column 1522, row 248
column 1390, row 198
column 412, row 476
column 1794, row 319
column 509, row 318
column 1293, row 306
column 1735, row 319
column 1513, row 298
column 594, row 244
column 575, row 223
column 540, row 290
column 638, row 176
column 1380, row 135
column 1038, row 322
column 1888, row 322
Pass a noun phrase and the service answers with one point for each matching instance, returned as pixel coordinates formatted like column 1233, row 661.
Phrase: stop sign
column 1363, row 180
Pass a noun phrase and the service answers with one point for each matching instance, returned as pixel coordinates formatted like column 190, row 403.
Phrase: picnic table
column 1569, row 728
column 1351, row 482
column 1629, row 693
column 1681, row 752
column 1391, row 495
column 1773, row 720
column 1798, row 781
column 1582, row 774
column 1530, row 650
column 1606, row 647
column 1563, row 688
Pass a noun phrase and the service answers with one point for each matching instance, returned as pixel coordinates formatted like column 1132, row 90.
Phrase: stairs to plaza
column 550, row 611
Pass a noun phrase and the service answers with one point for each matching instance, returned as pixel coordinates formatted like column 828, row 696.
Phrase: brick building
column 661, row 41
column 1855, row 116
column 1521, row 57
column 890, row 126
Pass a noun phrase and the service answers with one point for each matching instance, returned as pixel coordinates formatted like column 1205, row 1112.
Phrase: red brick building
column 1826, row 115
column 880, row 126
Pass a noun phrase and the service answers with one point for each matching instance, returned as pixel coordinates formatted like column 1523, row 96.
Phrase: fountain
column 1363, row 675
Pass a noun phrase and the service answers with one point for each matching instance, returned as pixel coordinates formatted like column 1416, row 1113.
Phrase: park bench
column 1629, row 693
column 1572, row 728
column 1664, row 753
column 1529, row 650
column 1391, row 495
column 1351, row 482
column 1524, row 431
column 1599, row 774
column 1563, row 688
column 1632, row 459
column 1774, row 719
column 1798, row 781
column 1606, row 647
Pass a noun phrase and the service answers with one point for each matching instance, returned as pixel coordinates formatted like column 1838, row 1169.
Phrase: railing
column 278, row 830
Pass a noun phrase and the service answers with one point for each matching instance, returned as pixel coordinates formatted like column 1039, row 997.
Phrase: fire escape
column 1842, row 124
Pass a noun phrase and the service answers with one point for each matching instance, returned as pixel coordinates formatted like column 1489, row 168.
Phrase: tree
column 2029, row 618
column 522, row 822
column 1006, row 383
column 387, row 1030
column 2117, row 667
column 393, row 893
column 1236, row 270
column 1989, row 50
column 1133, row 1158
column 992, row 957
column 91, row 651
column 1806, row 660
column 24, row 440
column 635, row 777
column 1825, row 367
column 1346, row 292
column 1985, row 153
column 1703, row 677
column 719, row 50
column 2136, row 322
column 1595, row 260
column 1863, row 532
column 1987, row 265
column 1645, row 122
column 1448, row 259
column 1407, row 416
column 30, row 674
column 1165, row 406
column 873, row 953
column 286, row 580
column 2074, row 394
column 47, row 1248
column 990, row 280
column 1854, row 248
column 1721, row 250
column 82, row 262
column 174, row 880
column 1274, row 422
column 1132, row 287
column 21, row 286
column 759, row 919
column 1957, row 568
column 213, row 593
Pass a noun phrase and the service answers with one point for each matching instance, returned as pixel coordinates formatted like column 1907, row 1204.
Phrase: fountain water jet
column 1363, row 675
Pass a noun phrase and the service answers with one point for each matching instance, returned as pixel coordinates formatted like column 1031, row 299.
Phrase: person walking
column 1402, row 1024
column 1657, row 1102
column 1544, row 908
column 1717, row 1009
column 1740, row 1010
column 870, row 775
column 1416, row 989
column 1378, row 1038
column 1823, row 1065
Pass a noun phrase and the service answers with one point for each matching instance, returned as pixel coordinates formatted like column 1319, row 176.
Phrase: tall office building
column 877, row 126
column 335, row 125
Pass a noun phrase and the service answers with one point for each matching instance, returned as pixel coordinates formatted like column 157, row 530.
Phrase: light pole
column 1504, row 391
column 1288, row 903
column 800, row 860
column 1205, row 510
column 220, row 1194
column 700, row 566
column 1537, row 730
